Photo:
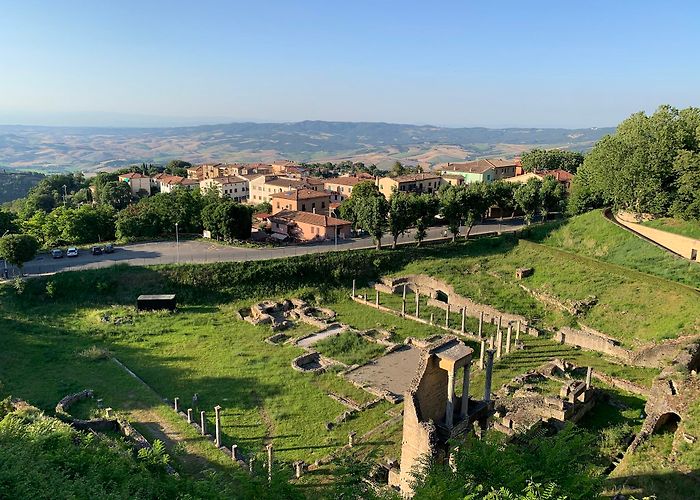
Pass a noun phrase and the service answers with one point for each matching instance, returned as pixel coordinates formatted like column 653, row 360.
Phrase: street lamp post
column 177, row 242
column 5, row 273
column 65, row 194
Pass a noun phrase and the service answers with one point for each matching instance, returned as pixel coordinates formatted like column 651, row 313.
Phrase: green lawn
column 349, row 348
column 691, row 229
column 592, row 235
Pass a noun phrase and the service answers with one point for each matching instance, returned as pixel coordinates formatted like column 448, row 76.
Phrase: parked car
column 57, row 253
column 96, row 250
column 109, row 248
column 72, row 252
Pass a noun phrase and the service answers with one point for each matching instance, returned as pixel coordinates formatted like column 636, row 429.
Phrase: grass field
column 691, row 229
column 591, row 235
column 633, row 307
column 205, row 349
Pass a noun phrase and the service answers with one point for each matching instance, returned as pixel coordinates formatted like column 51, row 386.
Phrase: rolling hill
column 90, row 148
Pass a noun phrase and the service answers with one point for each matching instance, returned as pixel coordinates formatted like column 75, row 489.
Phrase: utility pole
column 177, row 242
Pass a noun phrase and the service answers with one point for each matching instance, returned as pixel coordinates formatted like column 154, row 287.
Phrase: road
column 167, row 252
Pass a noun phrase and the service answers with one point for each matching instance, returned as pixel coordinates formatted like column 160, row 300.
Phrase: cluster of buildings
column 302, row 206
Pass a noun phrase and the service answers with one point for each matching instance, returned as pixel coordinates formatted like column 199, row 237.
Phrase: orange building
column 304, row 226
column 302, row 200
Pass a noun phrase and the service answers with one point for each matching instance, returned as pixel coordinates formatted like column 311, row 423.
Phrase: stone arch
column 442, row 296
column 667, row 422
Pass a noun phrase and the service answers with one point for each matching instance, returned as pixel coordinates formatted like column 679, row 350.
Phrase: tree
column 552, row 195
column 528, row 200
column 401, row 214
column 115, row 194
column 18, row 248
column 502, row 194
column 8, row 222
column 687, row 202
column 551, row 159
column 263, row 208
column 452, row 205
column 425, row 208
column 86, row 224
column 177, row 167
column 228, row 220
column 477, row 200
column 371, row 212
column 634, row 168
column 361, row 191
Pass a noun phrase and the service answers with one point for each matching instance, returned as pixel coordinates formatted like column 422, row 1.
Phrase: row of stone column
column 464, row 409
column 463, row 312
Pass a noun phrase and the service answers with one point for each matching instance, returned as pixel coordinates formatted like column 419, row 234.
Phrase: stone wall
column 594, row 341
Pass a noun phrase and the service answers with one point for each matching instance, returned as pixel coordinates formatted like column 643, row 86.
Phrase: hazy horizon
column 454, row 64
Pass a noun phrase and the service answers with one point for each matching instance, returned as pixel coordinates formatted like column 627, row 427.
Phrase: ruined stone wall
column 594, row 341
column 431, row 392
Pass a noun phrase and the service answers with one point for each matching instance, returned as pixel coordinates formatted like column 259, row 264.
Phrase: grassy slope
column 632, row 307
column 691, row 229
column 591, row 235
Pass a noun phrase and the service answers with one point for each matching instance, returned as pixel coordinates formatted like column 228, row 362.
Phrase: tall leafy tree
column 425, row 208
column 687, row 202
column 552, row 195
column 477, row 200
column 372, row 212
column 552, row 159
column 228, row 220
column 8, row 222
column 528, row 199
column 452, row 206
column 401, row 214
column 502, row 195
column 18, row 248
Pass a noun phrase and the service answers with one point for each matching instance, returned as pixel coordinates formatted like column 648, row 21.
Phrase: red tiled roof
column 132, row 175
column 479, row 166
column 558, row 174
column 308, row 218
column 229, row 179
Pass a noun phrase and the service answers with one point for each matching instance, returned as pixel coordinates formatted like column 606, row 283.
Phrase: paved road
column 167, row 252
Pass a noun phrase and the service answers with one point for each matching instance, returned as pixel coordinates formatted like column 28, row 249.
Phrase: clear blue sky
column 489, row 63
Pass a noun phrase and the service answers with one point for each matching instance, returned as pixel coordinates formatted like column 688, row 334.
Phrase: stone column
column 500, row 318
column 508, row 335
column 404, row 291
column 403, row 306
column 217, row 421
column 417, row 304
column 176, row 404
column 489, row 374
column 492, row 344
column 465, row 391
column 481, row 354
column 589, row 374
column 353, row 289
column 517, row 331
column 376, row 298
column 464, row 319
column 250, row 464
column 431, row 318
column 298, row 469
column 449, row 407
column 269, row 462
column 203, row 422
column 447, row 316
column 189, row 415
column 499, row 343
column 481, row 323
column 351, row 439
column 234, row 452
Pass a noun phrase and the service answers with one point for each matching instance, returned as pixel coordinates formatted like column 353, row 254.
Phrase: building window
column 323, row 204
column 303, row 207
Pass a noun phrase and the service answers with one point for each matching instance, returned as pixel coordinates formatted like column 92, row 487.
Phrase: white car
column 72, row 252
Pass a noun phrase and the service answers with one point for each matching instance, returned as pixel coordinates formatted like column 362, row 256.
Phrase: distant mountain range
column 92, row 148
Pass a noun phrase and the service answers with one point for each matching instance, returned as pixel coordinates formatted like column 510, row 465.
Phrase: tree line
column 651, row 164
column 456, row 205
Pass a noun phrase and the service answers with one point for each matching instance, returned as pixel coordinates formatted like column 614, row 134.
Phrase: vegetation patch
column 349, row 348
